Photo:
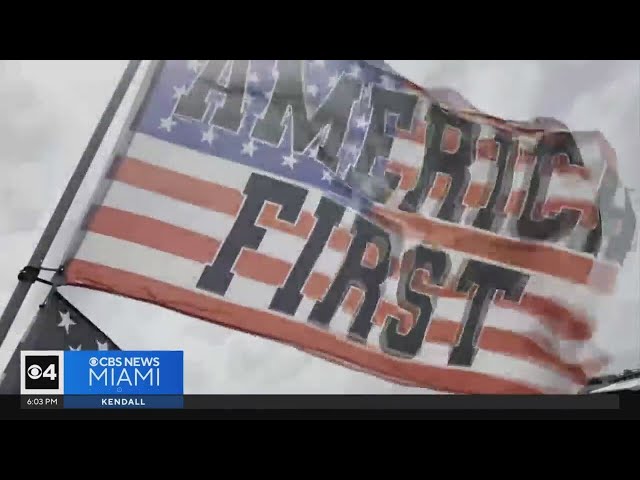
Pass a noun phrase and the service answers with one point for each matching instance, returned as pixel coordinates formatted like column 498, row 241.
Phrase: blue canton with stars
column 320, row 77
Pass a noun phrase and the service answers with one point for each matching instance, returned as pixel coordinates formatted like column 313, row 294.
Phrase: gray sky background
column 50, row 108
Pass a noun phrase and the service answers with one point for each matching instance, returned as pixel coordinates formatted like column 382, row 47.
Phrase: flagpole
column 70, row 191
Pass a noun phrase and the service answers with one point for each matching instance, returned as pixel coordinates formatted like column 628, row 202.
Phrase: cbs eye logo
column 41, row 372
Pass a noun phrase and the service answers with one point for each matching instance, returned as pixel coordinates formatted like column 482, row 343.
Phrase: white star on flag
column 289, row 161
column 351, row 148
column 326, row 175
column 388, row 82
column 102, row 346
column 366, row 95
column 313, row 151
column 208, row 136
column 362, row 122
column 178, row 92
column 167, row 123
column 355, row 71
column 66, row 322
column 253, row 77
column 249, row 148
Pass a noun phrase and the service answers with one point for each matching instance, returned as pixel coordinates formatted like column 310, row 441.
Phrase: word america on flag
column 338, row 208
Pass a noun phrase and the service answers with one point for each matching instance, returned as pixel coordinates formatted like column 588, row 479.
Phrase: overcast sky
column 49, row 110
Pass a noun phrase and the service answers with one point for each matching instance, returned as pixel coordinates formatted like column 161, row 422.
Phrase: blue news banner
column 102, row 379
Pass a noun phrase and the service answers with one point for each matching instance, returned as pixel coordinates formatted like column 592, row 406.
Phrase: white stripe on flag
column 407, row 152
column 153, row 205
column 188, row 162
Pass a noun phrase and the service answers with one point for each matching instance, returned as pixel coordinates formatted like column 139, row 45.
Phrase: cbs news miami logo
column 51, row 372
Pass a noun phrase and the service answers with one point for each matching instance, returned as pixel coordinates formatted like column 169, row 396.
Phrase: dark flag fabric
column 334, row 206
column 58, row 325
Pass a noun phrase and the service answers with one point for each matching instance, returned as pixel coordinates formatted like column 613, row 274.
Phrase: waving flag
column 336, row 207
column 58, row 325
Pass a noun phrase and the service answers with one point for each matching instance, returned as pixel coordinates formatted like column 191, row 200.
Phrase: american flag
column 58, row 325
column 172, row 198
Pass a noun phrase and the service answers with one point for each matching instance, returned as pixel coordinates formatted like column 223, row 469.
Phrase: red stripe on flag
column 440, row 187
column 477, row 195
column 262, row 268
column 154, row 234
column 515, row 203
column 487, row 148
column 180, row 187
column 317, row 286
column 269, row 219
